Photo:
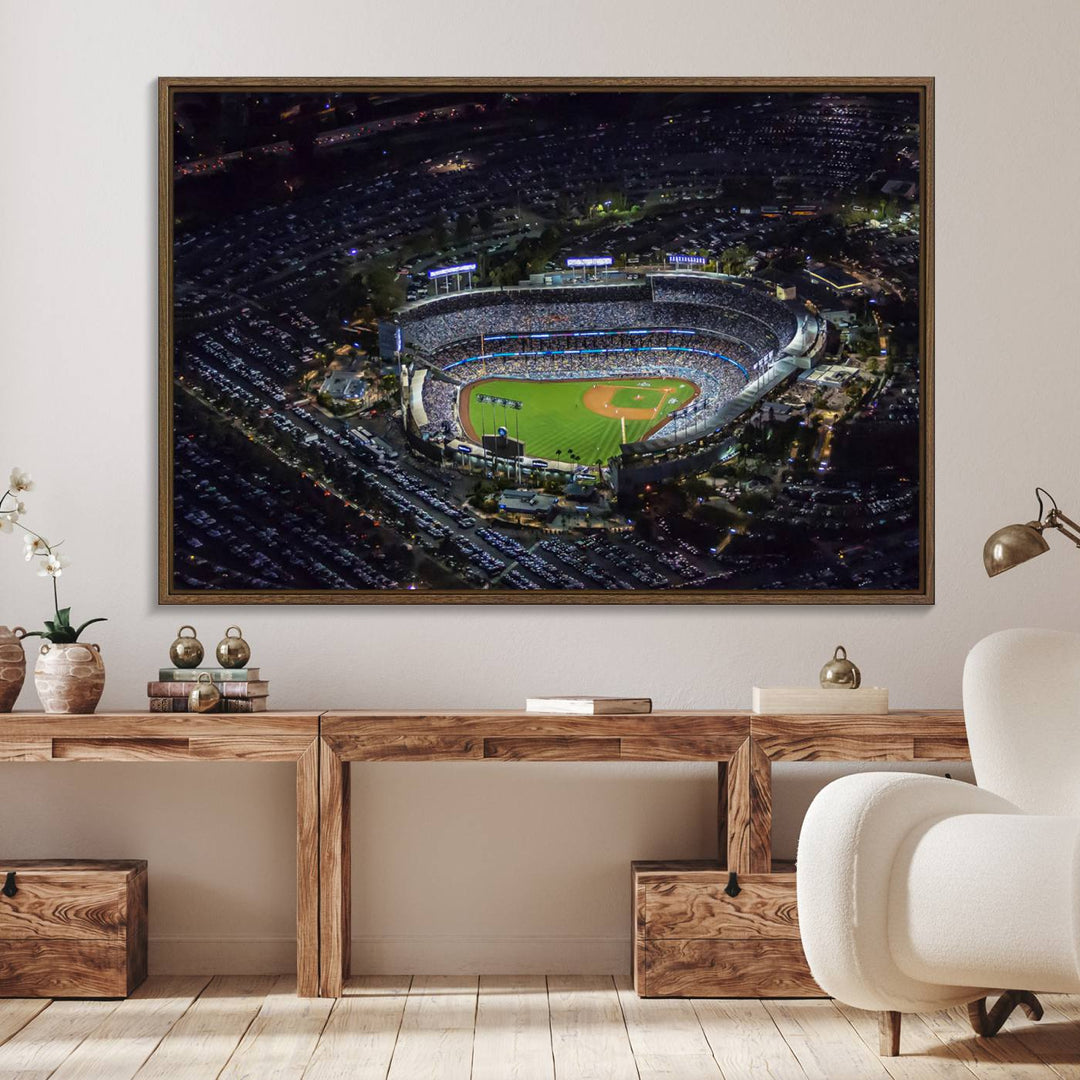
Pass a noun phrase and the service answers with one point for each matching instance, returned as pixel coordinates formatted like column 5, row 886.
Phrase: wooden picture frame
column 187, row 576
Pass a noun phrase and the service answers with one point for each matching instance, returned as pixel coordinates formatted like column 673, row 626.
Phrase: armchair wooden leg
column 889, row 1033
column 988, row 1024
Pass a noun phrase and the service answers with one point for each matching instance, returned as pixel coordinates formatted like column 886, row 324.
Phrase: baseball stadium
column 566, row 378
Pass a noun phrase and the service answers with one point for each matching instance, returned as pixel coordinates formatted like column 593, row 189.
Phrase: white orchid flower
column 20, row 481
column 53, row 566
column 7, row 521
column 34, row 545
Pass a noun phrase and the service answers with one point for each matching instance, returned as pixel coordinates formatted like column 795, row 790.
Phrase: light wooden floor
column 515, row 1028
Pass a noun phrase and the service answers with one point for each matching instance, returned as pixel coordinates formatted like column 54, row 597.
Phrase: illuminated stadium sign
column 446, row 271
column 687, row 260
column 596, row 260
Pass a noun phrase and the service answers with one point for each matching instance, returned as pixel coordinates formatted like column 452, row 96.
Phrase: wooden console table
column 742, row 744
column 903, row 735
column 269, row 736
column 322, row 745
column 494, row 736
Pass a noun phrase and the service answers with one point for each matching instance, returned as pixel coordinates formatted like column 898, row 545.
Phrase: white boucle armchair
column 917, row 893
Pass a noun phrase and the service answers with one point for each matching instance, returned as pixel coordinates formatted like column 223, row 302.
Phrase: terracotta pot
column 12, row 666
column 69, row 678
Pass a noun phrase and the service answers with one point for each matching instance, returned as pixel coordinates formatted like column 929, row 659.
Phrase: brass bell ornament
column 233, row 652
column 204, row 696
column 840, row 673
column 186, row 651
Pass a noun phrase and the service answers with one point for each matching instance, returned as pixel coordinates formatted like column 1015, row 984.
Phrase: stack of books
column 588, row 706
column 241, row 689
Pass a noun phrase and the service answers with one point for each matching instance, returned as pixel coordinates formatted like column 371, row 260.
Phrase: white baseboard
column 430, row 954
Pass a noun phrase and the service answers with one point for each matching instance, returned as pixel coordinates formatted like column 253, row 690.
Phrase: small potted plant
column 69, row 674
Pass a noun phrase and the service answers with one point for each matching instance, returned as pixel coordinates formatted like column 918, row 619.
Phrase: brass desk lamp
column 1014, row 544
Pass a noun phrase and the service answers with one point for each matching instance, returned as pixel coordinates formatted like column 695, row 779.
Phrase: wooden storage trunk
column 691, row 939
column 72, row 928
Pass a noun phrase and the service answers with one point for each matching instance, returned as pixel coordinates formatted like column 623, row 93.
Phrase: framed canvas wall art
column 542, row 340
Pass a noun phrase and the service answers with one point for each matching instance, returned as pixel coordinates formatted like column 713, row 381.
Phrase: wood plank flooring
column 523, row 1027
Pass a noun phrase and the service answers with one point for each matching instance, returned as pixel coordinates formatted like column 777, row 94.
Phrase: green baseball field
column 587, row 417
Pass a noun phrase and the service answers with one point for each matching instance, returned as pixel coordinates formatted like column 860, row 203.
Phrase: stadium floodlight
column 594, row 260
column 446, row 271
column 687, row 260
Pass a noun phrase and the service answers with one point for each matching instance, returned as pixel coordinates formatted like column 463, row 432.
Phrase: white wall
column 494, row 867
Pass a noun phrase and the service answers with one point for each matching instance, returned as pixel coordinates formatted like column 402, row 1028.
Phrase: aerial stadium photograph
column 546, row 340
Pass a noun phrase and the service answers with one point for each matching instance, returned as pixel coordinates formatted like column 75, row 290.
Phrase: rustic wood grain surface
column 291, row 737
column 524, row 1028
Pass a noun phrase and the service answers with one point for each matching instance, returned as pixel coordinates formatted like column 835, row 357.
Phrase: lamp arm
column 1057, row 520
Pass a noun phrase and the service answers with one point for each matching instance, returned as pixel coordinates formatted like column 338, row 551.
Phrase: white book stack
column 819, row 701
column 588, row 706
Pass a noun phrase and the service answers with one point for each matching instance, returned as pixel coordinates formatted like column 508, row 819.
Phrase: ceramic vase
column 69, row 678
column 12, row 666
